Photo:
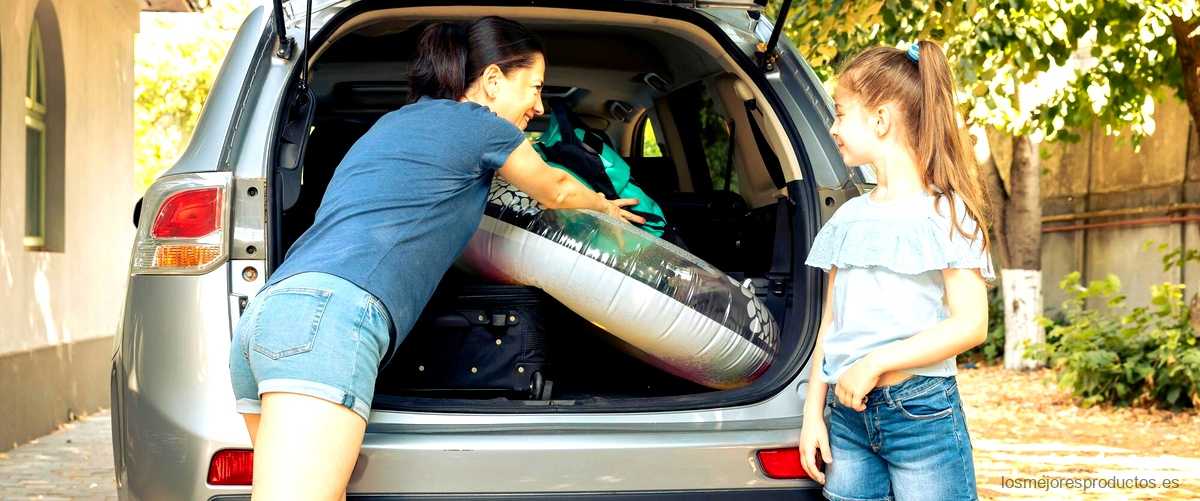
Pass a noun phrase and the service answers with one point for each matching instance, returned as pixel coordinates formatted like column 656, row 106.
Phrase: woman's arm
column 555, row 189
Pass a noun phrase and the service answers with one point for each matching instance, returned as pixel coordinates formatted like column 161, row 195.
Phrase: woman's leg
column 251, row 426
column 304, row 448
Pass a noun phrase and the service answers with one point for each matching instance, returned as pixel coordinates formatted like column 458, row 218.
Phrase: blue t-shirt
column 890, row 257
column 405, row 201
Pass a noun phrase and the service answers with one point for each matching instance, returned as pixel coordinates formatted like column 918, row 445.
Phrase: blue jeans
column 911, row 443
column 314, row 334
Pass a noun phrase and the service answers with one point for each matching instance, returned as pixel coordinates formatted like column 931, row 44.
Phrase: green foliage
column 1177, row 258
column 1026, row 67
column 650, row 147
column 1148, row 356
column 177, row 56
column 1133, row 51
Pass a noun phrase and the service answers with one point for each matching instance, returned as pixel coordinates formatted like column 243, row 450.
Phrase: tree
column 1002, row 51
column 177, row 55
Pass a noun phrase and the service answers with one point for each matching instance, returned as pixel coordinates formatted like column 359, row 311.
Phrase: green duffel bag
column 604, row 170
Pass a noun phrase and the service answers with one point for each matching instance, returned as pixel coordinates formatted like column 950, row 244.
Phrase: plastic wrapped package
column 666, row 306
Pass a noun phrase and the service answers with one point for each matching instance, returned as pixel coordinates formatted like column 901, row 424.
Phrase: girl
column 400, row 208
column 907, row 268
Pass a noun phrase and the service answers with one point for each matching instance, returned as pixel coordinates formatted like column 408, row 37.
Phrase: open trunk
column 682, row 123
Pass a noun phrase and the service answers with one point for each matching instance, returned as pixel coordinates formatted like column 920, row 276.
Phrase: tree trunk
column 1023, row 215
column 997, row 196
column 1188, row 51
column 1022, row 279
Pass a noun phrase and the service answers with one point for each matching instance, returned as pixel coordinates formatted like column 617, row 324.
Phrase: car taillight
column 231, row 467
column 189, row 214
column 187, row 234
column 782, row 463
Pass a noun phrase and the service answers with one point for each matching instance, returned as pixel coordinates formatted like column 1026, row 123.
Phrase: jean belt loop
column 887, row 396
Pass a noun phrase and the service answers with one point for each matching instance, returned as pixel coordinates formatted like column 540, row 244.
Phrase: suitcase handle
column 468, row 318
column 451, row 321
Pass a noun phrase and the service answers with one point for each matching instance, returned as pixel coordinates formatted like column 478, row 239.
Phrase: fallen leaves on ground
column 1029, row 434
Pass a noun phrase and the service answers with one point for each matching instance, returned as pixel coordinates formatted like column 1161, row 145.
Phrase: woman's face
column 517, row 95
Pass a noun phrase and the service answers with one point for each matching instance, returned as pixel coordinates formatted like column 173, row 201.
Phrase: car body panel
column 172, row 401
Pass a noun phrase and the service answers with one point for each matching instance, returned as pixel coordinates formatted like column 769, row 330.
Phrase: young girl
column 907, row 268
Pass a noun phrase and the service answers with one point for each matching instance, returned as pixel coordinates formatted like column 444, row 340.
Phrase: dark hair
column 924, row 91
column 451, row 56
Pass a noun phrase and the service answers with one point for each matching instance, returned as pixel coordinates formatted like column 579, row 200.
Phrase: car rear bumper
column 789, row 494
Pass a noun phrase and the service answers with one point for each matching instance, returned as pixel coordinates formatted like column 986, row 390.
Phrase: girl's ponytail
column 940, row 143
column 440, row 69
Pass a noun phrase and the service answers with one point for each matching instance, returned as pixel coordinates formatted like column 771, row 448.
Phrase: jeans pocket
column 931, row 404
column 287, row 321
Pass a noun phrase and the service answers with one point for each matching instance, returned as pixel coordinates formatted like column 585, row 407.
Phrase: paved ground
column 74, row 462
column 1032, row 441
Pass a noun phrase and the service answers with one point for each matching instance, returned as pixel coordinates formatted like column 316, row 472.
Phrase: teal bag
column 582, row 160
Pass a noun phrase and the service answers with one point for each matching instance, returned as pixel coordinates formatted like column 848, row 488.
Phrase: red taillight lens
column 232, row 467
column 782, row 463
column 189, row 214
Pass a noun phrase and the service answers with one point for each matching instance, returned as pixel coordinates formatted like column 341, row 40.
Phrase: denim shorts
column 314, row 334
column 911, row 443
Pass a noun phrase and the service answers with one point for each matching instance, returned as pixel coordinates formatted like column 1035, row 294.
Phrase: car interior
column 687, row 124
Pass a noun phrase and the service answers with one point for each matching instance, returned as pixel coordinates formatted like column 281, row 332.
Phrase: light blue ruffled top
column 889, row 258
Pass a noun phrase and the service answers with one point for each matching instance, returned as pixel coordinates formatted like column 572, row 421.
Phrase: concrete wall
column 1103, row 172
column 59, row 308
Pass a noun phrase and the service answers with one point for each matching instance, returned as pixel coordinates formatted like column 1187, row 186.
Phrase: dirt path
column 1025, row 431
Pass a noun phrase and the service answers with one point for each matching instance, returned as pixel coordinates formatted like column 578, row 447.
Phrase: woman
column 400, row 208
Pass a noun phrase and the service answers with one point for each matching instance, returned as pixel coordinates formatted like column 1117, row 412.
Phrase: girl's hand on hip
column 814, row 437
column 852, row 388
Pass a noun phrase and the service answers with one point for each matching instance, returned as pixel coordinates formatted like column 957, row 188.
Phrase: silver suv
column 721, row 122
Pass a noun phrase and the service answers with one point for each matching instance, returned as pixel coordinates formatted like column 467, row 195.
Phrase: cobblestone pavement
column 74, row 462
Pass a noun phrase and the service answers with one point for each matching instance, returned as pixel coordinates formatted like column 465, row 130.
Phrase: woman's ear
column 491, row 80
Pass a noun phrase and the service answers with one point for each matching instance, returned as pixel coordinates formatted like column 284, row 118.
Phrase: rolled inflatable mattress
column 664, row 305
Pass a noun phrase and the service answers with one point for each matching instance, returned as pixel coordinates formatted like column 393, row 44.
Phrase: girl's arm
column 555, row 189
column 814, row 402
column 966, row 296
column 814, row 436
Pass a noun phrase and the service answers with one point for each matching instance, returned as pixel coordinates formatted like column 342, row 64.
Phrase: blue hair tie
column 914, row 52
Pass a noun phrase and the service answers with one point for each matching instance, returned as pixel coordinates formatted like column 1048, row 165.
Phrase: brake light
column 187, row 234
column 231, row 467
column 189, row 214
column 782, row 463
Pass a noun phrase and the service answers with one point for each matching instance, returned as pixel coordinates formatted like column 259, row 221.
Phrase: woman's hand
column 614, row 209
column 814, row 437
column 555, row 189
column 852, row 388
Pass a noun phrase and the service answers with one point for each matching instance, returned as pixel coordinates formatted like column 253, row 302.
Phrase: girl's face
column 855, row 128
column 517, row 95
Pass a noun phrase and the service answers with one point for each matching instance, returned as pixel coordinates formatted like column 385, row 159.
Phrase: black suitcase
column 476, row 340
